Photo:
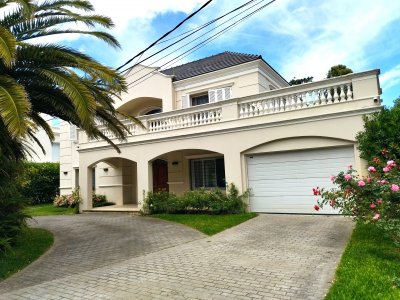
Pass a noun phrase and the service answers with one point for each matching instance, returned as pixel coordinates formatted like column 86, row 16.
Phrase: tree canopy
column 338, row 70
column 52, row 79
column 295, row 81
column 381, row 136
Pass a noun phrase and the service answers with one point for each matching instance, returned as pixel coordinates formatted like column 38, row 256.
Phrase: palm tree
column 51, row 79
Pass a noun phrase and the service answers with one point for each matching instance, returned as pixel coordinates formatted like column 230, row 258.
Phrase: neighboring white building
column 52, row 148
column 228, row 118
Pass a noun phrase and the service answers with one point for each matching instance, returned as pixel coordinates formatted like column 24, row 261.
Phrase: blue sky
column 298, row 38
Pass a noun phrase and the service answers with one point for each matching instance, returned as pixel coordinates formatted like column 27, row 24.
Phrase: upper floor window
column 211, row 96
column 199, row 99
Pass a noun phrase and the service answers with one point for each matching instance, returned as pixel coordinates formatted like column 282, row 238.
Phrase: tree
column 338, row 70
column 50, row 79
column 295, row 81
column 380, row 139
column 53, row 79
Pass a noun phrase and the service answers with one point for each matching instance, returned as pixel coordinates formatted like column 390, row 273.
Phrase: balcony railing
column 335, row 91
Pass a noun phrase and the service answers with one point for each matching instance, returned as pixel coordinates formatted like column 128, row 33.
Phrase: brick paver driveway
column 124, row 257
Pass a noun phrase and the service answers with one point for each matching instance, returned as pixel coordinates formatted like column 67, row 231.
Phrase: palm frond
column 8, row 46
column 40, row 122
column 14, row 106
column 71, row 85
column 104, row 36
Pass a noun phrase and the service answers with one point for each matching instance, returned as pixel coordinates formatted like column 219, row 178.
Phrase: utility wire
column 165, row 34
column 130, row 74
column 193, row 31
column 201, row 44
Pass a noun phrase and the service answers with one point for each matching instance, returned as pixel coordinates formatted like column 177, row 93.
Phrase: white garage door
column 282, row 182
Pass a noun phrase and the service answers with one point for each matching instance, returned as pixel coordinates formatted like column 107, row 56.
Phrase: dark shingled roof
column 209, row 64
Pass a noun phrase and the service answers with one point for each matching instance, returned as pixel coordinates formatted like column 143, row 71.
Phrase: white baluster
column 349, row 92
column 342, row 94
column 281, row 104
column 329, row 98
column 335, row 95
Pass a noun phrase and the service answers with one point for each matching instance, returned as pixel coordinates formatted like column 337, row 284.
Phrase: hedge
column 40, row 182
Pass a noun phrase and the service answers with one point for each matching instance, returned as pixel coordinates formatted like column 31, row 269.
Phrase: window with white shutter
column 185, row 101
column 212, row 96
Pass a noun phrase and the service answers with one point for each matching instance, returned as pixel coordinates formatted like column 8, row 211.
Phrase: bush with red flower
column 372, row 198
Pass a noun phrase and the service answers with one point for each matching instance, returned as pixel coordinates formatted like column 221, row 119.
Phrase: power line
column 193, row 31
column 130, row 74
column 166, row 34
column 203, row 43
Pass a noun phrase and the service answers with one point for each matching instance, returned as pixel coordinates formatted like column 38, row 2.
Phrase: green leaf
column 8, row 46
column 14, row 106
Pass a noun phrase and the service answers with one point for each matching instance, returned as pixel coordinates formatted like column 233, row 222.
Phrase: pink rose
column 371, row 169
column 386, row 169
column 382, row 181
column 394, row 187
column 376, row 217
column 332, row 178
column 316, row 207
column 372, row 206
column 361, row 183
column 347, row 177
column 391, row 163
column 380, row 201
column 369, row 179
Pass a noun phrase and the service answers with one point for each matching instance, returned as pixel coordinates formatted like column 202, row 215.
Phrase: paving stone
column 121, row 257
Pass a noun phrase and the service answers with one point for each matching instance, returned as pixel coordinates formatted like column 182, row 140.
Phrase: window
column 199, row 99
column 211, row 96
column 207, row 173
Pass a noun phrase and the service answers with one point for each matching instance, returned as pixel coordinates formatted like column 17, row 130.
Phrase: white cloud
column 390, row 78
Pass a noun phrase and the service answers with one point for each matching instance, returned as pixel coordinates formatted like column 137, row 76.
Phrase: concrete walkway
column 108, row 256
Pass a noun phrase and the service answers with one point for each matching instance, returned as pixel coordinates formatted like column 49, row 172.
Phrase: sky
column 298, row 38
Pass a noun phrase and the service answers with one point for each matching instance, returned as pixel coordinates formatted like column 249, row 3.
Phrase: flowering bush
column 373, row 198
column 71, row 200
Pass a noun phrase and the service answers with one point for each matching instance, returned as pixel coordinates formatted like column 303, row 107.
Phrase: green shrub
column 197, row 201
column 100, row 200
column 12, row 216
column 39, row 181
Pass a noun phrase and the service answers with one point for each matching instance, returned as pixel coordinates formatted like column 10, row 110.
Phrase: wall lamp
column 105, row 169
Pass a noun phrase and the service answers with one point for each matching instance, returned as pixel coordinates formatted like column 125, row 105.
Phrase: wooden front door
column 160, row 176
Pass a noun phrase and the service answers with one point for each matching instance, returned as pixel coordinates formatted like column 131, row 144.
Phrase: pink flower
column 382, row 181
column 372, row 206
column 316, row 191
column 347, row 177
column 376, row 217
column 380, row 201
column 391, row 163
column 371, row 169
column 361, row 183
column 316, row 207
column 332, row 178
column 369, row 179
column 350, row 167
column 394, row 187
column 386, row 169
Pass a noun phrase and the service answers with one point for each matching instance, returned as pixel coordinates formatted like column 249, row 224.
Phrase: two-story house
column 227, row 118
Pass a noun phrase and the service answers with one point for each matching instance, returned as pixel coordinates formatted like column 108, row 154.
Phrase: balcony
column 353, row 93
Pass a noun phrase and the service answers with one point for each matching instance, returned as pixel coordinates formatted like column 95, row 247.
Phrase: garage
column 282, row 182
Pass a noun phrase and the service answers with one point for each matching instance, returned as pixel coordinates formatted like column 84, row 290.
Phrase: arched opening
column 115, row 178
column 182, row 170
column 142, row 106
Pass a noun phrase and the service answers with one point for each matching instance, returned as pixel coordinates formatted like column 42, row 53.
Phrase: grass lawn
column 208, row 224
column 30, row 244
column 369, row 267
column 48, row 209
